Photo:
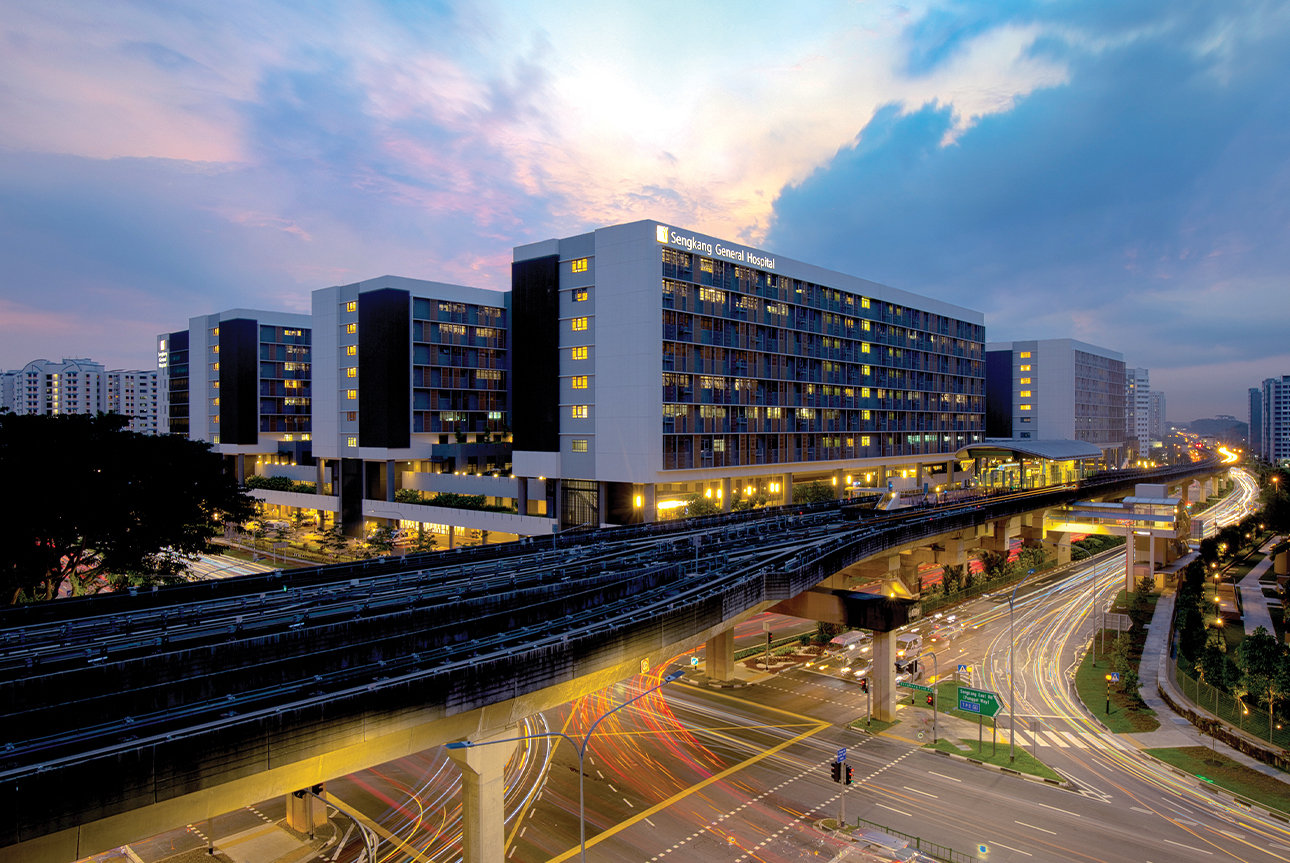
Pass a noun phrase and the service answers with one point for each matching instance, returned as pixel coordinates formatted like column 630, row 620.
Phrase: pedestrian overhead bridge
column 126, row 714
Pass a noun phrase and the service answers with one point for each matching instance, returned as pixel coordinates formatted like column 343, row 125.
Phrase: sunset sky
column 1113, row 172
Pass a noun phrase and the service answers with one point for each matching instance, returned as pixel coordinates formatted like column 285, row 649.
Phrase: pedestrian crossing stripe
column 1065, row 739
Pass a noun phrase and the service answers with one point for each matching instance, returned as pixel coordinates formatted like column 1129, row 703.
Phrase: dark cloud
column 1141, row 206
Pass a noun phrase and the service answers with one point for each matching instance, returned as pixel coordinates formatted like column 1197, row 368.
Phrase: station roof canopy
column 1052, row 450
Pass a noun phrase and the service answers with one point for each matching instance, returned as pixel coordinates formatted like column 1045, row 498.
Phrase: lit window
column 865, row 326
column 351, row 306
column 351, row 351
column 1025, row 355
column 866, row 370
column 865, row 414
column 578, row 353
column 580, row 265
column 1026, row 407
column 1025, row 394
column 864, row 302
column 864, row 440
column 351, row 394
column 864, row 392
column 579, row 324
column 217, row 418
column 216, row 349
column 1025, row 380
column 351, row 441
column 351, row 328
column 217, row 367
column 580, row 382
column 351, row 416
column 579, row 412
column 864, row 347
column 1025, row 368
column 580, row 296
column 351, row 372
column 217, row 401
column 579, row 445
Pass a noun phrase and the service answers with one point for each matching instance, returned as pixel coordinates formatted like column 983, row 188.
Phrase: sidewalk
column 1175, row 730
column 1252, row 599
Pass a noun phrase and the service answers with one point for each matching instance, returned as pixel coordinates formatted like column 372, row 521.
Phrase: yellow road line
column 381, row 831
column 686, row 792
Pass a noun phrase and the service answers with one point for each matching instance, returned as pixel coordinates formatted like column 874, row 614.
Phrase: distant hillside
column 1230, row 430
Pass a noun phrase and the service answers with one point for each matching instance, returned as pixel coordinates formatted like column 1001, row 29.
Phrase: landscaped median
column 1127, row 713
column 997, row 755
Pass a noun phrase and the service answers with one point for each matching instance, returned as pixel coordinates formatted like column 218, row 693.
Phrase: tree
column 813, row 492
column 952, row 577
column 697, row 505
column 106, row 507
column 425, row 541
column 381, row 540
column 1214, row 667
column 994, row 563
column 1258, row 656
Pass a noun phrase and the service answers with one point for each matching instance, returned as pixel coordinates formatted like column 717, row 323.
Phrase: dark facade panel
column 535, row 347
column 385, row 368
column 998, row 394
column 239, row 375
column 351, row 496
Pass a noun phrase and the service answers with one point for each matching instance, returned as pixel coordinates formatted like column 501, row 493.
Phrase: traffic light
column 848, row 777
column 929, row 699
column 837, row 772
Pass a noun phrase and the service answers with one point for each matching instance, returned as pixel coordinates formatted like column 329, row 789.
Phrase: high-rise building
column 73, row 386
column 654, row 363
column 1137, row 407
column 240, row 379
column 1254, row 418
column 1276, row 420
column 1057, row 389
column 134, row 393
column 1157, row 423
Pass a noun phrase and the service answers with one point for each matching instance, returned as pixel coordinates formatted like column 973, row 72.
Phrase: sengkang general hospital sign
column 693, row 244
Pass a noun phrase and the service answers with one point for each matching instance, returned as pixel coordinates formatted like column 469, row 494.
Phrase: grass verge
column 998, row 756
column 1218, row 769
column 1090, row 683
column 877, row 726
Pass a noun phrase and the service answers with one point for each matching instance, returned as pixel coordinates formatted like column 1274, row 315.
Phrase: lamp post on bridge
column 581, row 749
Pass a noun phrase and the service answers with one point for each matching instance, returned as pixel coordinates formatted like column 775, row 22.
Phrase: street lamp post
column 581, row 749
column 1012, row 673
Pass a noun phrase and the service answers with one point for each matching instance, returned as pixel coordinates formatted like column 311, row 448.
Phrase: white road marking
column 897, row 811
column 1055, row 809
column 1010, row 848
column 1033, row 827
column 1189, row 847
column 650, row 823
column 943, row 776
column 924, row 793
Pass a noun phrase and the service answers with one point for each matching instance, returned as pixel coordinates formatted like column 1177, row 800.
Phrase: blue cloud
column 1140, row 206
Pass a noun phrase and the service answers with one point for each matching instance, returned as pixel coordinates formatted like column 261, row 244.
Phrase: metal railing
column 931, row 849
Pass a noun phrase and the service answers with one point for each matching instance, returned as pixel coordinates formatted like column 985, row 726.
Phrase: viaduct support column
column 483, row 805
column 305, row 812
column 882, row 677
column 649, row 505
column 1061, row 545
column 725, row 494
column 719, row 656
column 788, row 488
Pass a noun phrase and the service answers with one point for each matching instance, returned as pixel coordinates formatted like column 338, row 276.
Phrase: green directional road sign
column 980, row 701
column 920, row 687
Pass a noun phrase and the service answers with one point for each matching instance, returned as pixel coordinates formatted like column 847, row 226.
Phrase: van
column 848, row 640
column 908, row 644
column 889, row 846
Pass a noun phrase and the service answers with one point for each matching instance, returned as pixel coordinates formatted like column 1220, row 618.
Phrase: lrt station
column 627, row 368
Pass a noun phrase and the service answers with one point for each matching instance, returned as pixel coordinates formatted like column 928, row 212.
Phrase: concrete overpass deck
column 131, row 711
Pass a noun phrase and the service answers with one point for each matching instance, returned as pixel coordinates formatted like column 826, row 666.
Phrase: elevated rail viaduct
column 130, row 713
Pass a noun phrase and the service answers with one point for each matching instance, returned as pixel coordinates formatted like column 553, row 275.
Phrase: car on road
column 888, row 846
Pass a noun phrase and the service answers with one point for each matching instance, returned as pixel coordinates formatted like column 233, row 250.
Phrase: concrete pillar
column 1060, row 543
column 909, row 571
column 649, row 504
column 787, row 488
column 241, row 469
column 452, row 537
column 719, row 656
column 1129, row 559
column 882, row 677
column 389, row 480
column 882, row 476
column 522, row 495
column 305, row 812
column 724, row 494
column 919, row 476
column 602, row 502
column 319, row 474
column 483, row 797
column 840, row 484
